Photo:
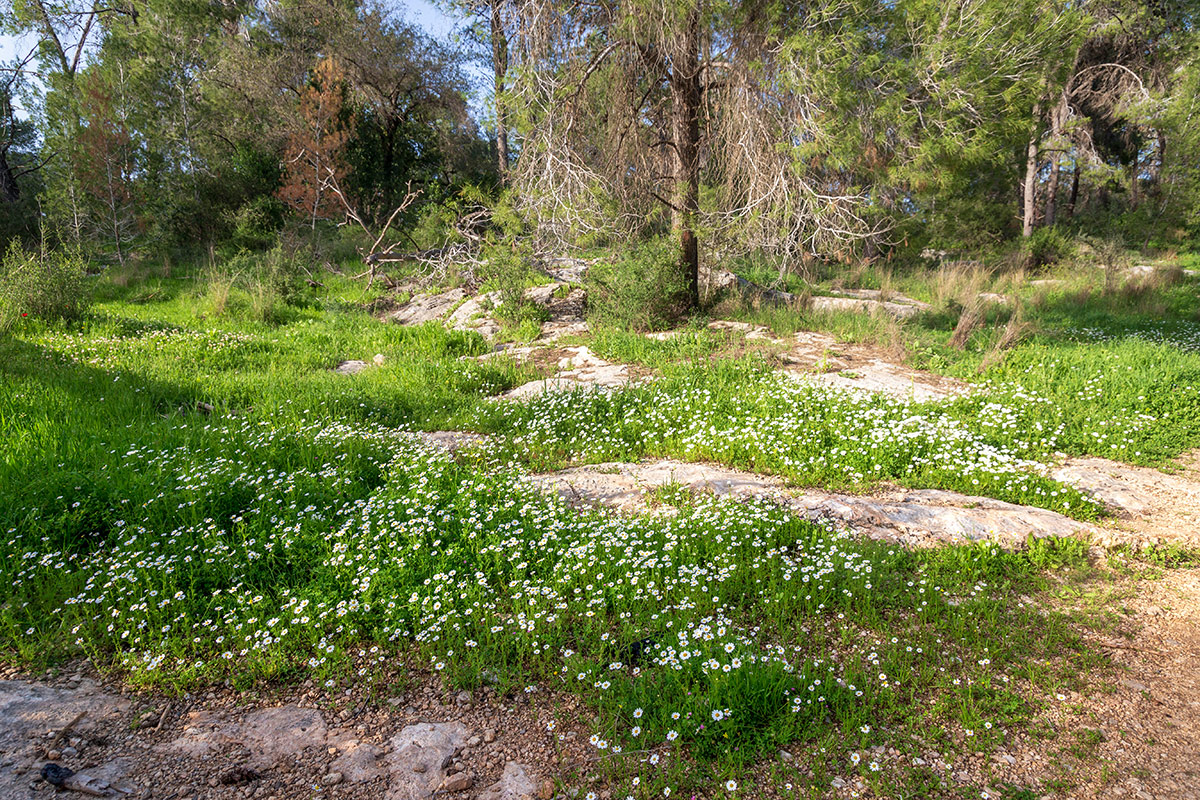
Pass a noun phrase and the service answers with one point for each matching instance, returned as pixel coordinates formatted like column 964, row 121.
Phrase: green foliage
column 259, row 286
column 49, row 287
column 508, row 270
column 1046, row 247
column 217, row 455
column 643, row 288
column 257, row 222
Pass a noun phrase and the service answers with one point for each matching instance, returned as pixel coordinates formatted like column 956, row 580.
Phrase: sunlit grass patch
column 259, row 550
column 742, row 415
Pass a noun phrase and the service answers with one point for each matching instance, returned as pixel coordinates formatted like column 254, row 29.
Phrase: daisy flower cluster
column 285, row 547
column 806, row 432
column 125, row 349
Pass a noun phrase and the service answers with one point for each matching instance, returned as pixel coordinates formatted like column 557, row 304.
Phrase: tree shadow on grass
column 67, row 423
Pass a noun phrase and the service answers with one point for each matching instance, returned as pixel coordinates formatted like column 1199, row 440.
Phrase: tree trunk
column 685, row 111
column 1134, row 183
column 1029, row 194
column 500, row 66
column 389, row 133
column 1052, row 195
column 10, row 192
column 1074, row 191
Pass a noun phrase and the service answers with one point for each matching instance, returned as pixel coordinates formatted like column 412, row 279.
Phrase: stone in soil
column 515, row 784
column 420, row 756
column 352, row 367
column 31, row 711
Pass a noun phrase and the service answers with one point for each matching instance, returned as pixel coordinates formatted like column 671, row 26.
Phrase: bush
column 48, row 287
column 644, row 289
column 257, row 223
column 508, row 270
column 269, row 281
column 1047, row 246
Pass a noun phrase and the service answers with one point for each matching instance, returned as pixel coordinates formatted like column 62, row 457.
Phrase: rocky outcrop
column 427, row 307
column 918, row 517
column 579, row 369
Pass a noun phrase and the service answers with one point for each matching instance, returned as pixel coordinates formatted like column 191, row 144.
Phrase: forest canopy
column 834, row 130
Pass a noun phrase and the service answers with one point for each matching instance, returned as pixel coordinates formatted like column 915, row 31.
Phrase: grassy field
column 189, row 495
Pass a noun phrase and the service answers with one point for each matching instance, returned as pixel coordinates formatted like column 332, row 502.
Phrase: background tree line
column 831, row 130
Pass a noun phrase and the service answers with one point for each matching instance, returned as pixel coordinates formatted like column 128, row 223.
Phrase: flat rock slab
column 452, row 441
column 1160, row 508
column 579, row 369
column 268, row 734
column 864, row 305
column 913, row 517
column 414, row 764
column 883, row 297
column 895, row 380
column 855, row 300
column 32, row 714
column 426, row 307
column 819, row 358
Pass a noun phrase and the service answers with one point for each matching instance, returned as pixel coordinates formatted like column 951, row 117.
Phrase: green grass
column 299, row 530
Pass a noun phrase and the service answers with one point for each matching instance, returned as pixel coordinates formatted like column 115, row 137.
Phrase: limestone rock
column 429, row 746
column 358, row 763
column 579, row 369
column 352, row 367
column 864, row 305
column 515, row 784
column 426, row 308
column 918, row 517
column 876, row 295
column 891, row 379
column 468, row 314
column 270, row 734
column 1135, row 491
column 452, row 441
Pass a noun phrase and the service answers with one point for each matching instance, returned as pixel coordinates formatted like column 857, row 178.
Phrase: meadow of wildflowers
column 301, row 530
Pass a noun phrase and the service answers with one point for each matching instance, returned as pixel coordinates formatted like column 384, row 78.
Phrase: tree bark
column 1134, row 183
column 1074, row 191
column 500, row 67
column 685, row 110
column 10, row 191
column 1051, row 211
column 1029, row 194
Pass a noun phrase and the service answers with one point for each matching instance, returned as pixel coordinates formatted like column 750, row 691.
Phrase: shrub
column 508, row 270
column 644, row 289
column 271, row 281
column 49, row 287
column 1047, row 246
column 257, row 222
